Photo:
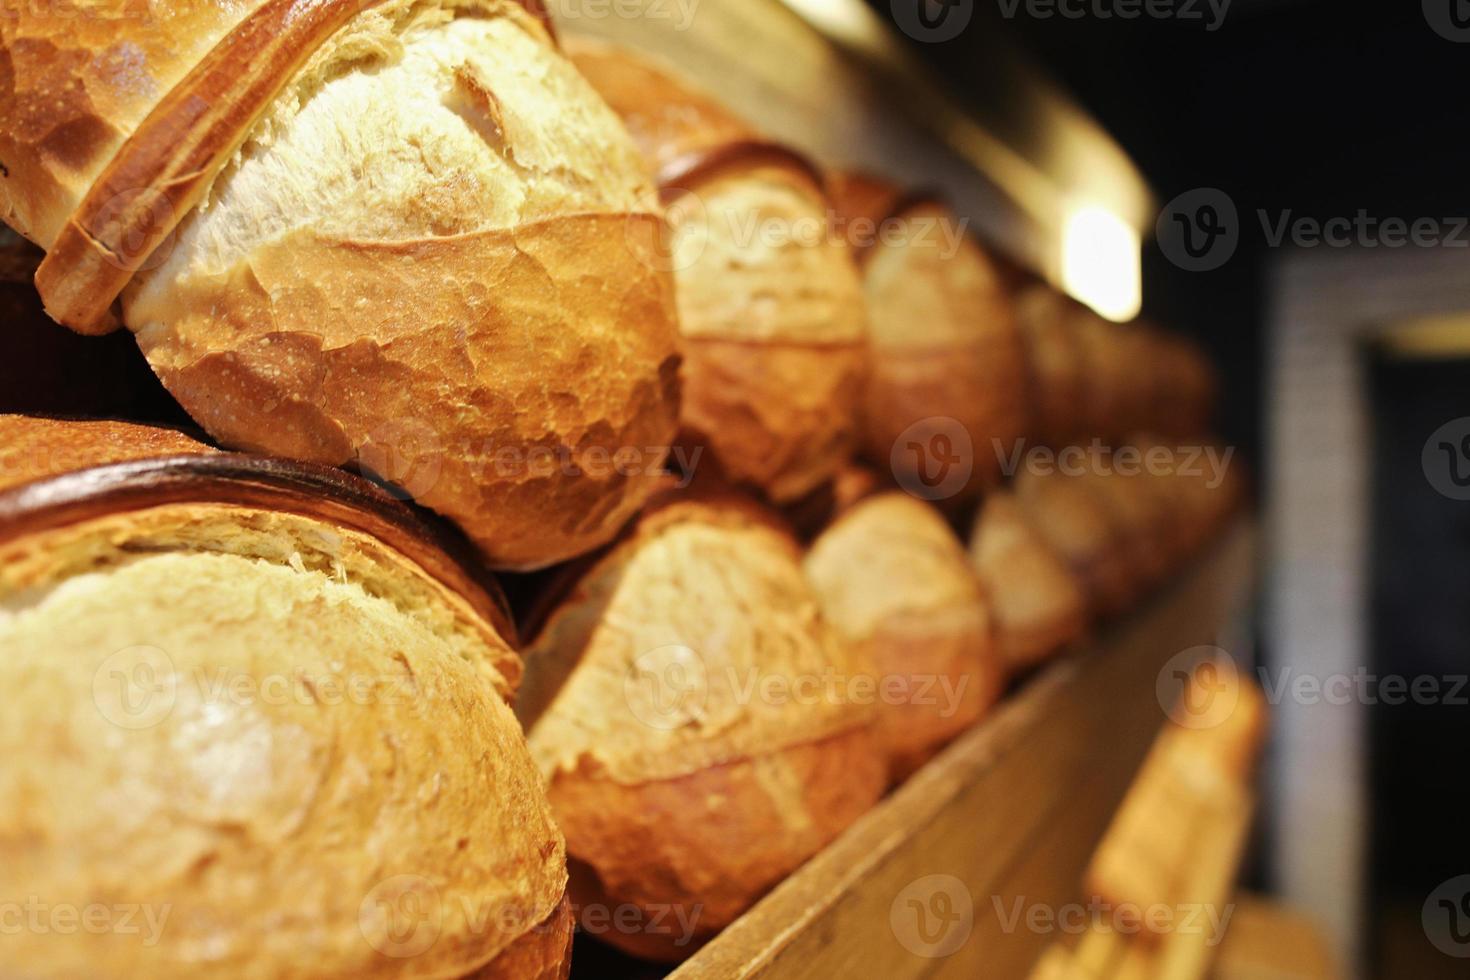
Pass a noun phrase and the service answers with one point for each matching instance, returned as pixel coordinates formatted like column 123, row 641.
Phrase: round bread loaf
column 1038, row 605
column 399, row 234
column 1108, row 403
column 1142, row 528
column 1047, row 319
column 770, row 308
column 701, row 729
column 947, row 386
column 894, row 581
column 1080, row 528
column 258, row 729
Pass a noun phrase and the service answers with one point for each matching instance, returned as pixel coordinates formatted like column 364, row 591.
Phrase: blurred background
column 1346, row 359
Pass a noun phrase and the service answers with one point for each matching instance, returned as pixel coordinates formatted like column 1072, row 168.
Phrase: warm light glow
column 1100, row 262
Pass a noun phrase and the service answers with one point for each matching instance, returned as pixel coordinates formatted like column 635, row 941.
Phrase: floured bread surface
column 661, row 662
column 755, row 260
column 889, row 556
column 927, row 291
column 436, row 258
column 416, row 121
column 285, row 763
column 1038, row 604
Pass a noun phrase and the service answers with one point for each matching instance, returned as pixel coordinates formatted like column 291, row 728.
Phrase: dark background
column 1323, row 108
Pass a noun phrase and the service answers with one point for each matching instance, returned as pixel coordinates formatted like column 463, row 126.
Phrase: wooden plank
column 925, row 884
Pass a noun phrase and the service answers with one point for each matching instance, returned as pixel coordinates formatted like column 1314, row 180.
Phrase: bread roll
column 1079, row 527
column 700, row 727
column 948, row 377
column 404, row 235
column 1141, row 525
column 1038, row 605
column 1107, row 411
column 1048, row 324
column 770, row 308
column 257, row 724
column 893, row 580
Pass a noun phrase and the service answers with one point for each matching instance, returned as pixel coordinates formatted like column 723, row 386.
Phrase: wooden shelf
column 1013, row 810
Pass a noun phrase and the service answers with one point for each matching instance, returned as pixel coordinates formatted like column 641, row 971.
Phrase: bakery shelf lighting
column 1100, row 262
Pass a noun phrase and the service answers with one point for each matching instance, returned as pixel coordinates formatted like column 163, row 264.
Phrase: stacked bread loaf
column 240, row 691
column 739, row 408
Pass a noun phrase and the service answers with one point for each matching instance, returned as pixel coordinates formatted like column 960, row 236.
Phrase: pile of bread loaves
column 445, row 295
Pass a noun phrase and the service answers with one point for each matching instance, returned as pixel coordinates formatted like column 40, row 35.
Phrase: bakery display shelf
column 1014, row 810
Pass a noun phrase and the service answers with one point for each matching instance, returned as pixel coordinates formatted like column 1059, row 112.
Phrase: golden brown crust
column 78, row 82
column 321, row 777
column 68, row 473
column 1039, row 606
column 931, row 399
column 893, row 579
column 456, row 378
column 947, row 353
column 543, row 953
column 741, row 827
column 773, row 326
column 1054, row 358
column 778, row 417
column 650, row 692
column 168, row 159
column 1105, row 377
column 32, row 448
column 1079, row 527
column 517, row 341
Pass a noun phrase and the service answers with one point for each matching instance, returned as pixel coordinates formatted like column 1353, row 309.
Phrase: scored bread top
column 752, row 244
column 661, row 661
column 59, row 476
column 127, row 182
column 82, row 76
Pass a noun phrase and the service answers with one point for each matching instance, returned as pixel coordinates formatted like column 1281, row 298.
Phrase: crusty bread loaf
column 1038, row 605
column 1081, row 529
column 413, row 239
column 690, row 710
column 893, row 580
column 770, row 308
column 1047, row 319
column 275, row 737
column 948, row 364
